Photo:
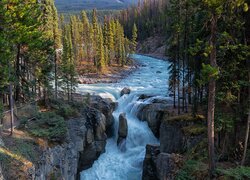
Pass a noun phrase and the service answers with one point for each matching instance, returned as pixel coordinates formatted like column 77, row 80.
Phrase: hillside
column 77, row 5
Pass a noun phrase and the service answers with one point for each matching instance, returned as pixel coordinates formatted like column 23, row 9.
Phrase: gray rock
column 125, row 91
column 123, row 126
column 173, row 138
column 106, row 106
column 159, row 166
column 149, row 163
column 123, row 129
column 153, row 113
column 85, row 141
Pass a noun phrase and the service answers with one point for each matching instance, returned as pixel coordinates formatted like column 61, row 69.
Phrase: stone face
column 106, row 106
column 153, row 113
column 95, row 138
column 85, row 141
column 149, row 163
column 125, row 91
column 122, row 131
column 123, row 126
column 160, row 166
column 173, row 138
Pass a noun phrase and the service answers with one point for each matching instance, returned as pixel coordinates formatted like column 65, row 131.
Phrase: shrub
column 192, row 170
column 235, row 173
column 48, row 125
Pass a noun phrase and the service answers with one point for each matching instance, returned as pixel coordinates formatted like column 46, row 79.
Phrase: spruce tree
column 134, row 38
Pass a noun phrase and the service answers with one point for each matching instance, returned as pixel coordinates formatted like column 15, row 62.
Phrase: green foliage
column 194, row 130
column 192, row 170
column 134, row 38
column 238, row 173
column 208, row 72
column 48, row 125
column 224, row 121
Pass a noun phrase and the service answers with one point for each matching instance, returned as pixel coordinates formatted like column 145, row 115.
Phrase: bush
column 65, row 109
column 192, row 170
column 48, row 125
column 235, row 173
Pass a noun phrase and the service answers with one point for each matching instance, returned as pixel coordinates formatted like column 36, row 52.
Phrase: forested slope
column 207, row 43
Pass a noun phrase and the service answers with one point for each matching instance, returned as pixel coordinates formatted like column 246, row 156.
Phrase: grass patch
column 194, row 130
column 17, row 157
column 239, row 173
column 188, row 118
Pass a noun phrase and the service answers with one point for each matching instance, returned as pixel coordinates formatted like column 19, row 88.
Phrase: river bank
column 112, row 74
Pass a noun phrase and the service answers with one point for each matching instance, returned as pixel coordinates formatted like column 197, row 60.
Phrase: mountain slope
column 77, row 5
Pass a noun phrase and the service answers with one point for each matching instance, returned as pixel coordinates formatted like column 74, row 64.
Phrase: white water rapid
column 151, row 79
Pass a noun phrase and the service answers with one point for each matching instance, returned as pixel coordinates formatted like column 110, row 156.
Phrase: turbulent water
column 150, row 78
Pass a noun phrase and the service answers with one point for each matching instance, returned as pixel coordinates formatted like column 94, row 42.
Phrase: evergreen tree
column 134, row 38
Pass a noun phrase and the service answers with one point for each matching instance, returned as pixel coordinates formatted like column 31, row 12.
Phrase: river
column 151, row 79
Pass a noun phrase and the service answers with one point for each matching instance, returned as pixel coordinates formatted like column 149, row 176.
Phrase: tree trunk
column 11, row 110
column 211, row 98
column 178, row 75
column 56, row 84
column 17, row 95
column 248, row 121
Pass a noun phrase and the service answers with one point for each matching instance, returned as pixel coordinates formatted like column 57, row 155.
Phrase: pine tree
column 100, row 51
column 134, row 38
column 68, row 64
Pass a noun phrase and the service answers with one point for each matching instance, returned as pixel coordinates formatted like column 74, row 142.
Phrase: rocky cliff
column 85, row 141
column 177, row 134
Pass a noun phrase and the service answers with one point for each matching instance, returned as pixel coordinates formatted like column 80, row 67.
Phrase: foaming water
column 114, row 164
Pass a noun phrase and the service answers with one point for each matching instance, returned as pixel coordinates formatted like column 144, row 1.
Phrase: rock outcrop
column 153, row 112
column 85, row 141
column 125, row 91
column 106, row 106
column 160, row 166
column 177, row 134
column 122, row 131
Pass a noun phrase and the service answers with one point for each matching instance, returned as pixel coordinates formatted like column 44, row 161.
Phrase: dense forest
column 208, row 47
column 38, row 47
column 79, row 5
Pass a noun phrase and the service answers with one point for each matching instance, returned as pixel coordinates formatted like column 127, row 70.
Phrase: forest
column 207, row 43
column 43, row 53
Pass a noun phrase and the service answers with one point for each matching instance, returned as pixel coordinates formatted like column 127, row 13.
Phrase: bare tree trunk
column 211, row 98
column 18, row 72
column 11, row 110
column 248, row 122
column 56, row 83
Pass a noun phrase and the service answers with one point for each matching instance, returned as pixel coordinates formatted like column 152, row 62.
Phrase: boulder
column 153, row 113
column 122, row 130
column 125, row 91
column 144, row 96
column 160, row 166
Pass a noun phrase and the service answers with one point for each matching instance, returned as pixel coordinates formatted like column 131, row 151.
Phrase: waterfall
column 115, row 164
